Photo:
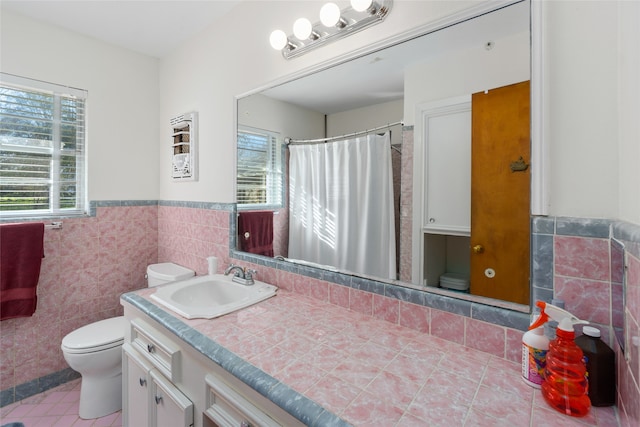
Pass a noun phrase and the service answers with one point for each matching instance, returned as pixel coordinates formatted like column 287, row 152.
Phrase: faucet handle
column 249, row 273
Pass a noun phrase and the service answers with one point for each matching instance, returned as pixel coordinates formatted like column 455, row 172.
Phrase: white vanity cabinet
column 150, row 398
column 167, row 383
column 169, row 408
column 228, row 408
column 137, row 393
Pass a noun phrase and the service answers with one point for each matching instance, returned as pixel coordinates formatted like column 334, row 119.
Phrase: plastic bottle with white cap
column 601, row 367
column 534, row 356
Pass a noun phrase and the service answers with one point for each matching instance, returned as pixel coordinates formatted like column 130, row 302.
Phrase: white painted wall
column 370, row 117
column 581, row 108
column 450, row 75
column 629, row 110
column 233, row 57
column 122, row 105
column 590, row 88
column 288, row 120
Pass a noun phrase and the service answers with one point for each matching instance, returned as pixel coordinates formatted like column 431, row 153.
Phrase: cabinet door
column 170, row 408
column 136, row 393
column 447, row 136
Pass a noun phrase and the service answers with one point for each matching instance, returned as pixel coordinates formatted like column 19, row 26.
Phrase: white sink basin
column 206, row 297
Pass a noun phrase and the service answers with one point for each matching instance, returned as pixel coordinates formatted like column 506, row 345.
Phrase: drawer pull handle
column 143, row 382
column 151, row 348
column 158, row 399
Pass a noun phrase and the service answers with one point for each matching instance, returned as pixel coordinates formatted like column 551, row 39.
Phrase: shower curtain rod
column 291, row 141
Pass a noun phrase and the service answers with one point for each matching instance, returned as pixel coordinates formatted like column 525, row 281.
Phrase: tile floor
column 57, row 407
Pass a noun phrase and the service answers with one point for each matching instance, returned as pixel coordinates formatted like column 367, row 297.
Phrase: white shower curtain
column 341, row 210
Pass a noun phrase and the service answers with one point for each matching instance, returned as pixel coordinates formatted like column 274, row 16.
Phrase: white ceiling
column 156, row 27
column 151, row 27
column 379, row 77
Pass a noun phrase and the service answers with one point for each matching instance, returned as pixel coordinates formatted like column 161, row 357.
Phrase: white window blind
column 259, row 180
column 42, row 148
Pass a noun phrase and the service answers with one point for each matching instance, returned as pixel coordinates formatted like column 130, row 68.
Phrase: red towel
column 255, row 231
column 21, row 253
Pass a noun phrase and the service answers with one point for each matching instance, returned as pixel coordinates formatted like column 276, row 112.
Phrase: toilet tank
column 158, row 274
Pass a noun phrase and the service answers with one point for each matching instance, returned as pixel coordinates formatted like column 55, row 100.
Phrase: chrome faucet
column 243, row 276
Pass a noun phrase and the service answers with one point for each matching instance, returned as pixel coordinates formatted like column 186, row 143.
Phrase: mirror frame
column 495, row 311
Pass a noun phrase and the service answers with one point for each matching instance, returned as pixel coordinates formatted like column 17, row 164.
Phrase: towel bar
column 54, row 225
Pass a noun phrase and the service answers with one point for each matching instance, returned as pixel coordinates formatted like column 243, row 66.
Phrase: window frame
column 56, row 151
column 275, row 160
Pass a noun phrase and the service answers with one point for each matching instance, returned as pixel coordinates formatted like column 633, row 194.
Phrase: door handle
column 478, row 249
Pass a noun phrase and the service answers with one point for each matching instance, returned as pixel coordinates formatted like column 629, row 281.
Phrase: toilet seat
column 97, row 336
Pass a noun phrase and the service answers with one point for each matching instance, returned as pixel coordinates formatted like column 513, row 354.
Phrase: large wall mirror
column 380, row 89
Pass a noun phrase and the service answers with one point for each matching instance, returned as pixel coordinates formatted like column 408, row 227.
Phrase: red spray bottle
column 565, row 384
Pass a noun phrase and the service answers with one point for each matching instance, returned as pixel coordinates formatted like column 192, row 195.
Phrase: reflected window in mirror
column 260, row 169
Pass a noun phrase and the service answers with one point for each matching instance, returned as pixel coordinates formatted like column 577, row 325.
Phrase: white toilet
column 95, row 351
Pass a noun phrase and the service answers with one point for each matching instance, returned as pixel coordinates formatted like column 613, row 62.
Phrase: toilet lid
column 96, row 336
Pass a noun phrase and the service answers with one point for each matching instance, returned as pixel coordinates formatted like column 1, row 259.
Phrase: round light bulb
column 330, row 15
column 361, row 5
column 302, row 28
column 278, row 39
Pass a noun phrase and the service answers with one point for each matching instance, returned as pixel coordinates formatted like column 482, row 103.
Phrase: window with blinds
column 42, row 148
column 259, row 180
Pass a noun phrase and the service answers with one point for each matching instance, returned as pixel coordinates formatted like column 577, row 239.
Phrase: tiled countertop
column 365, row 371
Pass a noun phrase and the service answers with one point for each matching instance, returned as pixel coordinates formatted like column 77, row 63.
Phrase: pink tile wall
column 91, row 261
column 475, row 334
column 87, row 265
column 629, row 362
column 582, row 279
column 187, row 236
column 406, row 206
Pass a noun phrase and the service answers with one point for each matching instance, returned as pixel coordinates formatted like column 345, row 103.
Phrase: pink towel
column 255, row 231
column 21, row 253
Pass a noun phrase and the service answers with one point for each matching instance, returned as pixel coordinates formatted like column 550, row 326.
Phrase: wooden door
column 500, row 193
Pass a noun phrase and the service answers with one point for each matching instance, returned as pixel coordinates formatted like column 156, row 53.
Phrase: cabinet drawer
column 228, row 408
column 162, row 353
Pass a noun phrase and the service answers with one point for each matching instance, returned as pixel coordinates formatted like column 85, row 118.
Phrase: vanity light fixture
column 334, row 24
